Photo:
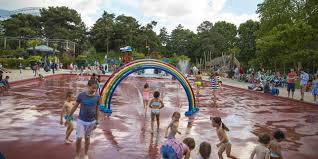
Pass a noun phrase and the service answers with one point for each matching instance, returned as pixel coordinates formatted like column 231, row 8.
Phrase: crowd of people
column 271, row 82
column 4, row 82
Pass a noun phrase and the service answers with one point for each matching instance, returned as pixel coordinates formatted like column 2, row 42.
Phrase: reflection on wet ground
column 29, row 121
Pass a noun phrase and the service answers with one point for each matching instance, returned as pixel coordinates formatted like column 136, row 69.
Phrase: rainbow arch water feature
column 134, row 66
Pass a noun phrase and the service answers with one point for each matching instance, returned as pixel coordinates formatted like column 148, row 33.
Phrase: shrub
column 13, row 63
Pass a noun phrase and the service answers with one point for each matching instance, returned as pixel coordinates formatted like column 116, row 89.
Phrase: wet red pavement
column 29, row 121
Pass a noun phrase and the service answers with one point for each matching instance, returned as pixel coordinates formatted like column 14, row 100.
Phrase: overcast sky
column 168, row 13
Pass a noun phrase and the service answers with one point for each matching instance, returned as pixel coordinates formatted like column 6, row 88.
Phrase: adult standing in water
column 304, row 77
column 88, row 116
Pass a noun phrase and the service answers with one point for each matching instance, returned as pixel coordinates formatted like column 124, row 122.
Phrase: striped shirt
column 214, row 83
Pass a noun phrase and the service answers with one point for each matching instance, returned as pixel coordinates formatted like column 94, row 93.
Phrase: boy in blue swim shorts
column 88, row 116
column 67, row 107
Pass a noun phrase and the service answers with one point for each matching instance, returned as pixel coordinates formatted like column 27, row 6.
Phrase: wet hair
column 69, row 94
column 205, row 150
column 156, row 94
column 175, row 113
column 218, row 121
column 146, row 85
column 91, row 82
column 189, row 141
column 279, row 135
column 264, row 138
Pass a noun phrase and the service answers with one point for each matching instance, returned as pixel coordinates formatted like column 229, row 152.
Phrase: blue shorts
column 167, row 152
column 291, row 87
column 275, row 91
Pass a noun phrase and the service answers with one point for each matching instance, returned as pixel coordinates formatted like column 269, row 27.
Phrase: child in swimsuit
column 155, row 105
column 275, row 147
column 261, row 151
column 146, row 95
column 174, row 124
column 67, row 107
column 225, row 143
column 173, row 149
column 204, row 150
column 198, row 81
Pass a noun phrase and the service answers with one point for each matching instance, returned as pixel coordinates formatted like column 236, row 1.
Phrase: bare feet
column 68, row 141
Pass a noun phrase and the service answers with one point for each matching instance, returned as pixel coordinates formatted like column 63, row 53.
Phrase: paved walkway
column 282, row 91
column 15, row 75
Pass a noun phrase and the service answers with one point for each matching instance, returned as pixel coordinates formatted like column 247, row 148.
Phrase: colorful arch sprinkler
column 125, row 70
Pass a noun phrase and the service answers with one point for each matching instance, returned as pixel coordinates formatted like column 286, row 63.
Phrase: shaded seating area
column 42, row 50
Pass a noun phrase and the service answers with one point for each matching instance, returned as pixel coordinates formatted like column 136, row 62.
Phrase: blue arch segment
column 106, row 108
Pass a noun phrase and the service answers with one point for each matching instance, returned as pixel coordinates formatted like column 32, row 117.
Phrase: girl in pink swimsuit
column 146, row 94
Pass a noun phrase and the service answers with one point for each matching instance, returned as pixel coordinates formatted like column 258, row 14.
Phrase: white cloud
column 190, row 13
column 87, row 8
column 168, row 13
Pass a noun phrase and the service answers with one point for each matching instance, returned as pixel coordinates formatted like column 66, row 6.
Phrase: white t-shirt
column 262, row 152
column 304, row 77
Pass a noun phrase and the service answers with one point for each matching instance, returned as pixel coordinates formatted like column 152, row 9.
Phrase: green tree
column 146, row 39
column 22, row 25
column 63, row 23
column 228, row 31
column 163, row 36
column 181, row 41
column 103, row 31
column 247, row 41
column 204, row 27
column 288, row 44
column 208, row 40
column 125, row 29
column 164, row 40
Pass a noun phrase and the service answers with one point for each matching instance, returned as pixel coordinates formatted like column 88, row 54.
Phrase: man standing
column 304, row 77
column 291, row 82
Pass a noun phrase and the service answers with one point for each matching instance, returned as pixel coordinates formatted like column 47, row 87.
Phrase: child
column 275, row 147
column 219, row 81
column 261, row 150
column 225, row 143
column 4, row 83
column 204, row 150
column 88, row 117
column 214, row 83
column 155, row 105
column 198, row 81
column 173, row 149
column 146, row 95
column 66, row 109
column 314, row 90
column 174, row 124
column 41, row 77
column 98, row 80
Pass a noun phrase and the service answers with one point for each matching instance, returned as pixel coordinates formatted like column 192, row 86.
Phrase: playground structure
column 126, row 54
column 224, row 62
column 124, row 71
